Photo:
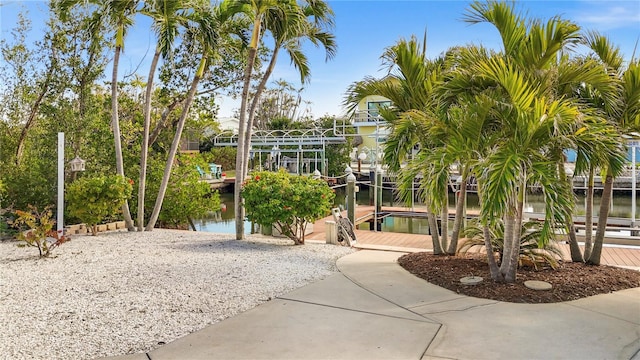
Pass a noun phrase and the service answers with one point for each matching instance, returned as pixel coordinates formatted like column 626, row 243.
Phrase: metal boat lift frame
column 274, row 143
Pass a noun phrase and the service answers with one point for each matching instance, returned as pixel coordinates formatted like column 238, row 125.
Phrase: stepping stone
column 471, row 280
column 537, row 285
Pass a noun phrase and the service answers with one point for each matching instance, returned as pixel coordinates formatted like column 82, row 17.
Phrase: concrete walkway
column 373, row 309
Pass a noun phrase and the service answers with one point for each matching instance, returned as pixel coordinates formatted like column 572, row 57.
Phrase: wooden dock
column 612, row 254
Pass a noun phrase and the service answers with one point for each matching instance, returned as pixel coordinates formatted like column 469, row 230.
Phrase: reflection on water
column 224, row 221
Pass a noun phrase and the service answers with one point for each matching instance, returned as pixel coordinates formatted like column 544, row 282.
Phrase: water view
column 223, row 221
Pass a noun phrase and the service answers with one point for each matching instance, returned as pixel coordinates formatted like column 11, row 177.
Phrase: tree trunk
column 457, row 222
column 252, row 111
column 115, row 123
column 444, row 222
column 242, row 128
column 576, row 254
column 491, row 258
column 603, row 215
column 174, row 146
column 145, row 140
column 433, row 226
column 588, row 217
column 36, row 106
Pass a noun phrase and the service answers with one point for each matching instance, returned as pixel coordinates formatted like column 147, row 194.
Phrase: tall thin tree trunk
column 36, row 106
column 603, row 215
column 457, row 222
column 115, row 123
column 491, row 258
column 574, row 249
column 507, row 245
column 512, row 268
column 174, row 146
column 145, row 140
column 588, row 217
column 242, row 128
column 444, row 222
column 433, row 226
column 252, row 110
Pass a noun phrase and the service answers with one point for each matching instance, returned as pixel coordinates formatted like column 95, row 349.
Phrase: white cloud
column 621, row 15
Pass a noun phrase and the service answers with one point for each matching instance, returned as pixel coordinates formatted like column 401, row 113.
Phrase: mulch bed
column 570, row 281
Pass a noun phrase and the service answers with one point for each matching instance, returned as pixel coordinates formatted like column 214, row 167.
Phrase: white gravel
column 121, row 293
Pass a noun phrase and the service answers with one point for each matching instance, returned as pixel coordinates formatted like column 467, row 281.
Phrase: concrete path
column 373, row 309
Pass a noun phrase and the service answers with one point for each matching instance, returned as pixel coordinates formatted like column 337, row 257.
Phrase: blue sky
column 365, row 28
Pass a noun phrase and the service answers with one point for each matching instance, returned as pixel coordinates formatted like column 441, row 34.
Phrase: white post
column 60, row 216
column 633, row 186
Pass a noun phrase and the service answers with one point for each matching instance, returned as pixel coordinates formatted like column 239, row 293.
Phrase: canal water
column 223, row 221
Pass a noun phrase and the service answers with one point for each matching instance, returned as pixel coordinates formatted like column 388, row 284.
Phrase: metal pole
column 60, row 215
column 351, row 195
column 633, row 186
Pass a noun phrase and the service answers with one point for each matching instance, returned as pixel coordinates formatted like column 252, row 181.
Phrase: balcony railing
column 367, row 116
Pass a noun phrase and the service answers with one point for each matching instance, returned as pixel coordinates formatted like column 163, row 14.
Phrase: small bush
column 40, row 233
column 287, row 202
column 92, row 200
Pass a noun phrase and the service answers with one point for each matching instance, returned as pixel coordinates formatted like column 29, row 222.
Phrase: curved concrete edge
column 602, row 326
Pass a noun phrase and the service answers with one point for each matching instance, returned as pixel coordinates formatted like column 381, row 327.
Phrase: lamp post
column 361, row 157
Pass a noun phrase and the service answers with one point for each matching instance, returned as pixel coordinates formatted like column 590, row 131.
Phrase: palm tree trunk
column 588, row 221
column 507, row 245
column 242, row 128
column 252, row 110
column 491, row 258
column 433, row 227
column 115, row 123
column 174, row 146
column 574, row 249
column 457, row 222
column 603, row 215
column 444, row 222
column 145, row 140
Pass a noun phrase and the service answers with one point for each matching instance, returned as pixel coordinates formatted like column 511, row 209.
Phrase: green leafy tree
column 187, row 197
column 205, row 29
column 289, row 23
column 286, row 202
column 93, row 200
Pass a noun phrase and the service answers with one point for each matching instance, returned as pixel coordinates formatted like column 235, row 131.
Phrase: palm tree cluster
column 208, row 27
column 504, row 119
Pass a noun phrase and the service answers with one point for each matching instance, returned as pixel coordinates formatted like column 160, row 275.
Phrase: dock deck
column 612, row 254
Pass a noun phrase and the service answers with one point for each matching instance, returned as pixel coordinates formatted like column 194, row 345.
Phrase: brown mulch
column 570, row 281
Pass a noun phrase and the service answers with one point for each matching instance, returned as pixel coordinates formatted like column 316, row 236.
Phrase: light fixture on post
column 361, row 157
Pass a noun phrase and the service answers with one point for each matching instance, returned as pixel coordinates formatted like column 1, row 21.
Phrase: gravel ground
column 120, row 292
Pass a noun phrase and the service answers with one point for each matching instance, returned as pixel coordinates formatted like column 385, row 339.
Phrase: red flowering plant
column 287, row 202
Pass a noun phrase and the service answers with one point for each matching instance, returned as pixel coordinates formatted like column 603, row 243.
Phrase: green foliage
column 287, row 202
column 532, row 251
column 186, row 197
column 225, row 156
column 40, row 233
column 92, row 200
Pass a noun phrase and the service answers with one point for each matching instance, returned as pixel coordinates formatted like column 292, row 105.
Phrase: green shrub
column 40, row 233
column 92, row 200
column 186, row 197
column 287, row 202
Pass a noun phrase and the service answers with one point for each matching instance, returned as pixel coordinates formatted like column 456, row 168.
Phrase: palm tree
column 410, row 85
column 119, row 14
column 204, row 31
column 534, row 124
column 168, row 16
column 288, row 22
column 311, row 22
column 622, row 110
